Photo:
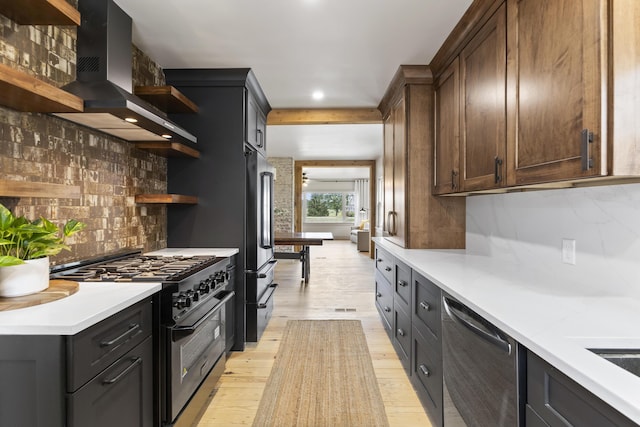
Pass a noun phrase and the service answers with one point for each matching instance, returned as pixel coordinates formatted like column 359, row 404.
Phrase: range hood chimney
column 104, row 80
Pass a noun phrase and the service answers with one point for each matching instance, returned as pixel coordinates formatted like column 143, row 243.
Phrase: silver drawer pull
column 379, row 260
column 387, row 309
column 424, row 370
column 378, row 294
column 400, row 332
column 402, row 283
column 126, row 333
column 134, row 362
column 425, row 305
column 387, row 268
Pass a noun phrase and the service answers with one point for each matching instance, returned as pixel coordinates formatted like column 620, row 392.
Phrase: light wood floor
column 340, row 287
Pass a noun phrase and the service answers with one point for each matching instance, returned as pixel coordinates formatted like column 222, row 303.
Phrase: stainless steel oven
column 482, row 370
column 195, row 344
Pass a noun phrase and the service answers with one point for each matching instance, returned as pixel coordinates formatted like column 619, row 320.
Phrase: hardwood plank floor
column 340, row 287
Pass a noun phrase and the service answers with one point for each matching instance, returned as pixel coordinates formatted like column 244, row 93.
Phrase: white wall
column 528, row 228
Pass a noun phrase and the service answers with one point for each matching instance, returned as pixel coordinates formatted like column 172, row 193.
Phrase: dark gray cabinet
column 256, row 125
column 102, row 376
column 553, row 399
column 409, row 306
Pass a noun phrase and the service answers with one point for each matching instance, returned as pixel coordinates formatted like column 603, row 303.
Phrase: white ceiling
column 350, row 49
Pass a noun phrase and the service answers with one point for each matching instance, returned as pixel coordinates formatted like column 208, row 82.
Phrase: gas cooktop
column 139, row 268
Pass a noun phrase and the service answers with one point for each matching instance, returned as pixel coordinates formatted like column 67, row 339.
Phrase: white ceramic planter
column 24, row 279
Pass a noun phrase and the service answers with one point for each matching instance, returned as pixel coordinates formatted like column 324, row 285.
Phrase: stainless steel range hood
column 104, row 80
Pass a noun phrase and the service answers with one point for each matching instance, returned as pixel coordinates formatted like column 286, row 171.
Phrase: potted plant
column 25, row 247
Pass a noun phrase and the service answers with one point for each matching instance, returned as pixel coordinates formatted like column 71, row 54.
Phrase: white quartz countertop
column 553, row 315
column 92, row 303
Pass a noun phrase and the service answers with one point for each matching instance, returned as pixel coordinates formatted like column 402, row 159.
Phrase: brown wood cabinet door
column 388, row 173
column 483, row 106
column 554, row 79
column 399, row 171
column 447, row 126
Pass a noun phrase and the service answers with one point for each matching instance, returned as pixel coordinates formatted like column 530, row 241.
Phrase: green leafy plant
column 21, row 239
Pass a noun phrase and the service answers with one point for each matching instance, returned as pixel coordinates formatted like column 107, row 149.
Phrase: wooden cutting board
column 57, row 289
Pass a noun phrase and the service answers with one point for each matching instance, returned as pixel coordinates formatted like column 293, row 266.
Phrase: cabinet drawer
column 121, row 395
column 426, row 374
column 559, row 400
column 384, row 300
column 97, row 347
column 426, row 305
column 384, row 264
column 402, row 285
column 402, row 336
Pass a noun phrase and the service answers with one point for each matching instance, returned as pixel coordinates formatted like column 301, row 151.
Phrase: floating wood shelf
column 166, row 198
column 167, row 98
column 168, row 149
column 40, row 12
column 23, row 92
column 38, row 189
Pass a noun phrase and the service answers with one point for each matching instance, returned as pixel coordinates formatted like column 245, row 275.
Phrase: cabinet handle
column 586, row 139
column 400, row 332
column 496, row 172
column 379, row 260
column 402, row 283
column 395, row 223
column 126, row 333
column 260, row 138
column 134, row 362
column 454, row 179
column 378, row 294
column 425, row 305
column 387, row 268
column 389, row 228
column 424, row 370
column 387, row 309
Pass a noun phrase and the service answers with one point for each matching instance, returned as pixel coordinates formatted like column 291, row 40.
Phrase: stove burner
column 142, row 268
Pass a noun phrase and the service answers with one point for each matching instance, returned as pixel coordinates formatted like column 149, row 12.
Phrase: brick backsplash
column 43, row 148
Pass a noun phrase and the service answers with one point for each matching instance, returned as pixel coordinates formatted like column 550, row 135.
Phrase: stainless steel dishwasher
column 481, row 370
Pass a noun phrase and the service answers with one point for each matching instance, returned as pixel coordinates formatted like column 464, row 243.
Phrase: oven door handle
column 493, row 336
column 178, row 332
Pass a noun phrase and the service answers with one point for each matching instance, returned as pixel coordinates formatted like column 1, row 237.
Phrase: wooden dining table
column 304, row 239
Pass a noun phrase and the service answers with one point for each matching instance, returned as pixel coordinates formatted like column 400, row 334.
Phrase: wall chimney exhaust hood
column 104, row 80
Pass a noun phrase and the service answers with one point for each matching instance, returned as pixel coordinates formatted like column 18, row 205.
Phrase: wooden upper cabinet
column 414, row 218
column 447, row 130
column 398, row 216
column 483, row 107
column 388, row 172
column 555, row 78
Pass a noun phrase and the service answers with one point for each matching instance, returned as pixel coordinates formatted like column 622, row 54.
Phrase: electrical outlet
column 569, row 251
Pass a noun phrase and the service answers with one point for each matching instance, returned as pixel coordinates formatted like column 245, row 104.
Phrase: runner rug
column 322, row 376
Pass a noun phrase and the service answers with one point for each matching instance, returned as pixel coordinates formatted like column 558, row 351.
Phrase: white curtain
column 362, row 199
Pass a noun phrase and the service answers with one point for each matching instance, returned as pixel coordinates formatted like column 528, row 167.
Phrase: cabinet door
column 554, row 72
column 388, row 172
column 399, row 171
column 483, row 107
column 256, row 124
column 121, row 395
column 447, row 125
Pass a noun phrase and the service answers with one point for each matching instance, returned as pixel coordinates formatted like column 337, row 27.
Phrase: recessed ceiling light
column 317, row 95
column 130, row 120
column 166, row 136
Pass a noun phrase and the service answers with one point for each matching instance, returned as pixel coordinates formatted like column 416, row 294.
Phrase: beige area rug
column 322, row 376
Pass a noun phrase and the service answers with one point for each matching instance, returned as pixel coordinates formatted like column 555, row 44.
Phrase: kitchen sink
column 627, row 359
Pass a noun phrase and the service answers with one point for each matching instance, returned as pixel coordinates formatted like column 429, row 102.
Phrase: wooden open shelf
column 40, row 12
column 166, row 198
column 166, row 98
column 23, row 92
column 168, row 149
column 38, row 189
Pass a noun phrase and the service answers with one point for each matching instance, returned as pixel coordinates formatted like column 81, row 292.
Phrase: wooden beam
column 324, row 116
